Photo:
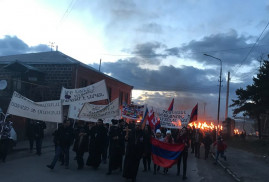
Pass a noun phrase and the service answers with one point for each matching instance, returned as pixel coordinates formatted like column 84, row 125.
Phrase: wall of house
column 115, row 88
column 58, row 76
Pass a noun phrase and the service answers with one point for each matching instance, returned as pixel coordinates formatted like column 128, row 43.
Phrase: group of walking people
column 124, row 144
column 207, row 138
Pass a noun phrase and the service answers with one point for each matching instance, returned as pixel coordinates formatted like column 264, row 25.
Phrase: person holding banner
column 39, row 127
column 30, row 133
column 5, row 134
column 64, row 138
column 81, row 143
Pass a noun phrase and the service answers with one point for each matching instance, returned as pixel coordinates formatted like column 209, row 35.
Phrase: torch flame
column 205, row 126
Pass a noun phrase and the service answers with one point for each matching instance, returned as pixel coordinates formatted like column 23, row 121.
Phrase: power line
column 67, row 12
column 252, row 47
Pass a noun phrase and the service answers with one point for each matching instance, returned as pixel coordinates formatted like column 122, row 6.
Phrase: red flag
column 170, row 108
column 194, row 114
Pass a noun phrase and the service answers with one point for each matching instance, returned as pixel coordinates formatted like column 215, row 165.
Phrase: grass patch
column 250, row 144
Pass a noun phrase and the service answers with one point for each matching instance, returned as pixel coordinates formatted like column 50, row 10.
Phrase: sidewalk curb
column 227, row 169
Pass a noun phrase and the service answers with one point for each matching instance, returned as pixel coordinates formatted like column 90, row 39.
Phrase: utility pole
column 100, row 65
column 227, row 96
column 219, row 90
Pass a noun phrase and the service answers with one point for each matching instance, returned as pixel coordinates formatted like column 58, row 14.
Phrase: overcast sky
column 157, row 46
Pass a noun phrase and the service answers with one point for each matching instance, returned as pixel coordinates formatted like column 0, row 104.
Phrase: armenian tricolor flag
column 194, row 114
column 145, row 117
column 165, row 154
column 170, row 108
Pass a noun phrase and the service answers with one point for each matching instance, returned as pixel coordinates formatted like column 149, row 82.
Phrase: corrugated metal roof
column 51, row 57
column 28, row 67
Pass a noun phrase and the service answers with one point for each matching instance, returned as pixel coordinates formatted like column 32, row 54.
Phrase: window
column 126, row 98
column 121, row 98
column 83, row 83
column 109, row 93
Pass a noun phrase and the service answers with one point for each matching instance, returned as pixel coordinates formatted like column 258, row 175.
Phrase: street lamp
column 219, row 89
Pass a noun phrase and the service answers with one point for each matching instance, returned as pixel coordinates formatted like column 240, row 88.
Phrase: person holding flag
column 183, row 138
column 159, row 137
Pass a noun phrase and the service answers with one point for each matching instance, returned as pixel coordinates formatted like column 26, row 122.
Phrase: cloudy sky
column 155, row 45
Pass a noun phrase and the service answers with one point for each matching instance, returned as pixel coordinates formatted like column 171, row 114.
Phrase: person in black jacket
column 81, row 143
column 183, row 137
column 134, row 152
column 115, row 148
column 207, row 142
column 30, row 133
column 147, row 149
column 64, row 138
column 97, row 142
column 39, row 127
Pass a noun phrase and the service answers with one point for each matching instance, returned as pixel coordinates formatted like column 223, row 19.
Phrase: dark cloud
column 175, row 51
column 188, row 85
column 151, row 28
column 166, row 78
column 231, row 48
column 10, row 45
column 148, row 53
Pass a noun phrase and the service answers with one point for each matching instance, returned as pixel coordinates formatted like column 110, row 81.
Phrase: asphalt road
column 23, row 166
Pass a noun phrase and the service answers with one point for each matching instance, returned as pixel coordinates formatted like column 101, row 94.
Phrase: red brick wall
column 88, row 76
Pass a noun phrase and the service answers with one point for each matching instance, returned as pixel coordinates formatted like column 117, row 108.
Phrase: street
column 24, row 166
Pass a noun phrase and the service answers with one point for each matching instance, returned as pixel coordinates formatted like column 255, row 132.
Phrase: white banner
column 44, row 111
column 75, row 108
column 91, row 93
column 108, row 111
column 173, row 119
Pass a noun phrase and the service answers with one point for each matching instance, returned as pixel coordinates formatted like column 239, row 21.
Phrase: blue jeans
column 221, row 153
column 61, row 150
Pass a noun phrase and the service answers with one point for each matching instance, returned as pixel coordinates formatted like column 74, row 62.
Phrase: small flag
column 153, row 121
column 194, row 114
column 145, row 117
column 165, row 154
column 170, row 108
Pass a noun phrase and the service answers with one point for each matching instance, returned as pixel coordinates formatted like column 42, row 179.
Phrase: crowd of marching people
column 122, row 145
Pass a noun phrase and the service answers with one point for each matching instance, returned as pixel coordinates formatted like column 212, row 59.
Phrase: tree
column 254, row 100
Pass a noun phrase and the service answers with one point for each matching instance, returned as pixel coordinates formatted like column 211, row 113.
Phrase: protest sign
column 75, row 108
column 134, row 112
column 44, row 111
column 91, row 93
column 96, row 112
column 173, row 119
